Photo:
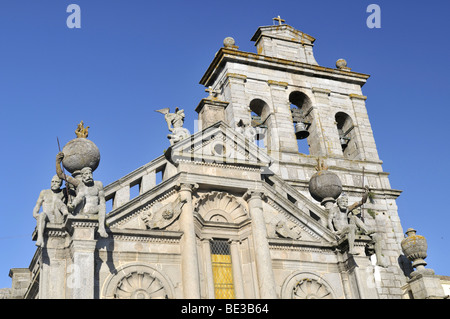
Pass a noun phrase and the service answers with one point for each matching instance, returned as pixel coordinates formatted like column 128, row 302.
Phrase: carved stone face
column 86, row 176
column 55, row 183
column 342, row 202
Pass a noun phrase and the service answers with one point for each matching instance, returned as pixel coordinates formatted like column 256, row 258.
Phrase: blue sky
column 130, row 58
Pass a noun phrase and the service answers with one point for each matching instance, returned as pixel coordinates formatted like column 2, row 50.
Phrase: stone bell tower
column 286, row 91
column 306, row 112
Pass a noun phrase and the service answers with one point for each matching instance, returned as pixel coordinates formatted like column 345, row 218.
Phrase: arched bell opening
column 301, row 107
column 346, row 134
column 260, row 120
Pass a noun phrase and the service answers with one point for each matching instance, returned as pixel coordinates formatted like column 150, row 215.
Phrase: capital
column 253, row 194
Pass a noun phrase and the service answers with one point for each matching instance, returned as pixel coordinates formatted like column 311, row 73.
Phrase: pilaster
column 365, row 132
column 234, row 92
column 52, row 277
column 81, row 273
column 266, row 278
column 189, row 256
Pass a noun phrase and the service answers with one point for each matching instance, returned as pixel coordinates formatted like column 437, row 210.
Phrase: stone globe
column 325, row 185
column 229, row 42
column 80, row 153
column 341, row 63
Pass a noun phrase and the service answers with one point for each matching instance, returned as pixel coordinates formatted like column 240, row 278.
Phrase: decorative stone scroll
column 160, row 216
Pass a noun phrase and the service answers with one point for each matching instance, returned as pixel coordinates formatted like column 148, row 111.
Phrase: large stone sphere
column 80, row 153
column 325, row 184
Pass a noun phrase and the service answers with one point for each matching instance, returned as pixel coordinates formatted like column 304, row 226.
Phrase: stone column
column 266, row 279
column 237, row 271
column 189, row 257
column 81, row 273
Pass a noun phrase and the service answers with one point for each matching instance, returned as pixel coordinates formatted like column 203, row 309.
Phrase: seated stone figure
column 343, row 220
column 54, row 209
column 90, row 196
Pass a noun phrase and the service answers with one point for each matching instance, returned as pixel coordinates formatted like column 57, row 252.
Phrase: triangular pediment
column 285, row 32
column 218, row 144
column 291, row 215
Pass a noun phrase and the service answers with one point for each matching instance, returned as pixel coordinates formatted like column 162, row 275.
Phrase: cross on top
column 211, row 92
column 280, row 21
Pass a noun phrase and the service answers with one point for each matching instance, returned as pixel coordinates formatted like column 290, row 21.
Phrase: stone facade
column 220, row 185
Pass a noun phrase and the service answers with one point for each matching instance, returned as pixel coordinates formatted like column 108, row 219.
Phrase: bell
column 260, row 133
column 300, row 131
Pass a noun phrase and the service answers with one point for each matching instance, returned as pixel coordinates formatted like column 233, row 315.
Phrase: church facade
column 249, row 206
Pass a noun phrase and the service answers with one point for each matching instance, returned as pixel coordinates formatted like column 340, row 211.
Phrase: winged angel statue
column 175, row 123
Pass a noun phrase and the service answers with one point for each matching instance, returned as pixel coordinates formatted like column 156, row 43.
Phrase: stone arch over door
column 306, row 285
column 137, row 281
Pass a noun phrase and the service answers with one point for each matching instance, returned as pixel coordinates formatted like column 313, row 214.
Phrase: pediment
column 285, row 32
column 156, row 210
column 219, row 144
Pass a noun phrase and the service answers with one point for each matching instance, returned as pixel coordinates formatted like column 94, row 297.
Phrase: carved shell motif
column 140, row 285
column 221, row 207
column 310, row 289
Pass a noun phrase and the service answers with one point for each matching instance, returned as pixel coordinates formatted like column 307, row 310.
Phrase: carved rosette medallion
column 140, row 285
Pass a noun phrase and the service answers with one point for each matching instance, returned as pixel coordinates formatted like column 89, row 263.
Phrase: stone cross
column 211, row 92
column 280, row 21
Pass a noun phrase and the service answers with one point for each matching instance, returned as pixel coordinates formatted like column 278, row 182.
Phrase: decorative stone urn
column 325, row 186
column 415, row 249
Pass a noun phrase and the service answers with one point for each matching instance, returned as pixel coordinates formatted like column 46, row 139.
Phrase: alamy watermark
column 74, row 19
column 374, row 19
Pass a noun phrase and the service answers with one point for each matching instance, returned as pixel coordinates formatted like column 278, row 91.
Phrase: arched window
column 301, row 107
column 346, row 135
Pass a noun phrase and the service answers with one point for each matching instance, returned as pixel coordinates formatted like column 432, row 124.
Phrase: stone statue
column 81, row 131
column 90, row 196
column 247, row 130
column 175, row 123
column 54, row 210
column 343, row 220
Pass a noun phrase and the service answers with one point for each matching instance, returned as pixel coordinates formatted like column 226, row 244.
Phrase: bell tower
column 308, row 113
column 283, row 90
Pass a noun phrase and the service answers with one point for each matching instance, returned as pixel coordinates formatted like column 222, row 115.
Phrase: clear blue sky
column 131, row 58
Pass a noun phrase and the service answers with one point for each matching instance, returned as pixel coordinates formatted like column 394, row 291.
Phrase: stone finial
column 415, row 249
column 324, row 186
column 341, row 64
column 229, row 43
